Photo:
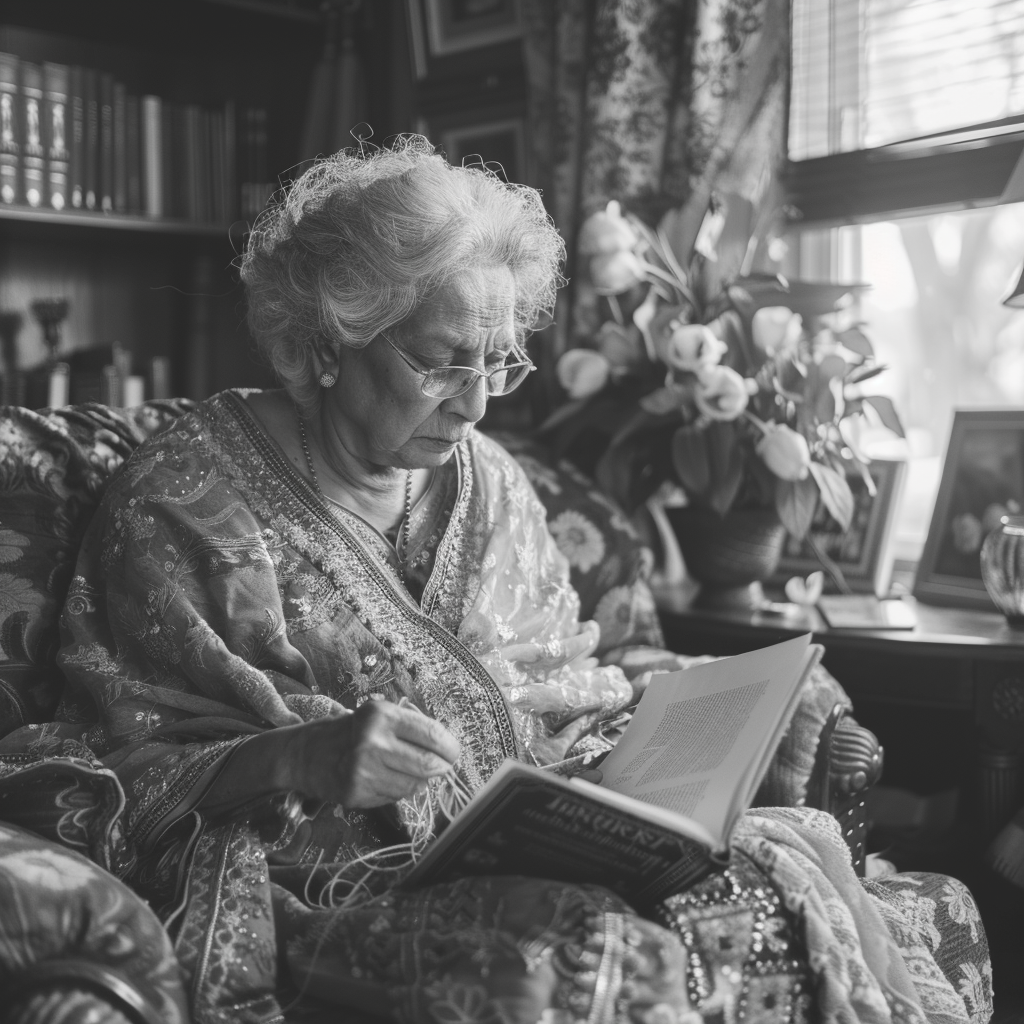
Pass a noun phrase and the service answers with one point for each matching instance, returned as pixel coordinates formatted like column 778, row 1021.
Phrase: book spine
column 76, row 135
column 10, row 130
column 153, row 155
column 120, row 150
column 33, row 159
column 206, row 164
column 218, row 207
column 58, row 155
column 133, row 154
column 106, row 182
column 168, row 116
column 91, row 147
column 191, row 155
column 231, row 182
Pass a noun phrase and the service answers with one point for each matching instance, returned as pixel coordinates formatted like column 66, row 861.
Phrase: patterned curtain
column 655, row 103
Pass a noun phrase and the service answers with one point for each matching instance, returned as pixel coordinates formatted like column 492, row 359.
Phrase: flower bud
column 582, row 372
column 776, row 330
column 616, row 272
column 785, row 452
column 690, row 347
column 721, row 393
column 606, row 231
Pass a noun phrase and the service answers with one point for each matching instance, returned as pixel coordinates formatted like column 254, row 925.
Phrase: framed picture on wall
column 442, row 28
column 864, row 552
column 457, row 25
column 499, row 144
column 982, row 480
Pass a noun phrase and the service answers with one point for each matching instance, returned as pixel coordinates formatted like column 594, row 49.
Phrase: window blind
column 869, row 73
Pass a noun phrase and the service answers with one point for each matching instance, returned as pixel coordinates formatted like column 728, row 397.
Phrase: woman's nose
column 471, row 404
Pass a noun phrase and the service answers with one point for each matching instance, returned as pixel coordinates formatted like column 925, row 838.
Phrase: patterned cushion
column 64, row 919
column 54, row 467
column 608, row 565
column 927, row 913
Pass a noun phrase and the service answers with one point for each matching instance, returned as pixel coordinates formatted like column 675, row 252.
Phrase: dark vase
column 730, row 555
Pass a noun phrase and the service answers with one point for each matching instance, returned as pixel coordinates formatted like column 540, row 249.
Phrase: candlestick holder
column 51, row 314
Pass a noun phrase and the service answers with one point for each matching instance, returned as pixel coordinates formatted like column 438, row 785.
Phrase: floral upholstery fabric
column 58, row 907
column 608, row 566
column 54, row 468
column 936, row 922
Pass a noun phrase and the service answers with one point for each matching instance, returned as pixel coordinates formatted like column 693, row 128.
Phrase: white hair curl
column 362, row 237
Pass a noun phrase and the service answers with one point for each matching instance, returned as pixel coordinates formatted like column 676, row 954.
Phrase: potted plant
column 736, row 391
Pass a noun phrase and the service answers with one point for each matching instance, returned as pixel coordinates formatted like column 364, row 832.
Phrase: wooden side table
column 960, row 660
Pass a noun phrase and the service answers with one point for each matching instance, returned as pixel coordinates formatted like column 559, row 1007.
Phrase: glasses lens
column 449, row 381
column 508, row 379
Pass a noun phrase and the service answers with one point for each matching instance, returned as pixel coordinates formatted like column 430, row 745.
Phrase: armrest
column 847, row 764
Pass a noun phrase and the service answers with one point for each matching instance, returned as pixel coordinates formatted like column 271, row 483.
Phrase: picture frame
column 498, row 141
column 864, row 552
column 440, row 29
column 454, row 26
column 982, row 478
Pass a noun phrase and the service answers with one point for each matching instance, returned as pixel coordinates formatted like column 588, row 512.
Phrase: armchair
column 54, row 467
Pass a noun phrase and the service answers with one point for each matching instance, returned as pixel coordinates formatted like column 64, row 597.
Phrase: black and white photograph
column 511, row 511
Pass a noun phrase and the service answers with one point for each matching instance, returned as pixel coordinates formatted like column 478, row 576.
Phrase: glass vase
column 1002, row 568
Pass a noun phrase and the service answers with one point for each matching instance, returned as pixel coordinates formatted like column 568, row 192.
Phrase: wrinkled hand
column 376, row 755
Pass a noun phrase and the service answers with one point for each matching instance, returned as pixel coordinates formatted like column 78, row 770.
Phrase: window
column 905, row 129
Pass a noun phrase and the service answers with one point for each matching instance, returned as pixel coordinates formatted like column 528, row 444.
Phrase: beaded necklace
column 402, row 540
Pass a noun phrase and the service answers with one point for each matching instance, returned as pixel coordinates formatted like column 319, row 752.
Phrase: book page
column 701, row 736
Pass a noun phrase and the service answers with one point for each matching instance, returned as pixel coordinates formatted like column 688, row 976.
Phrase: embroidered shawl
column 216, row 596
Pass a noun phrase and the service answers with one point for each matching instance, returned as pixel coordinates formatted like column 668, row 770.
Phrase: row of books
column 73, row 138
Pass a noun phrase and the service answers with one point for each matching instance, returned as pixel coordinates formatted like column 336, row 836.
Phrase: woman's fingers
column 428, row 734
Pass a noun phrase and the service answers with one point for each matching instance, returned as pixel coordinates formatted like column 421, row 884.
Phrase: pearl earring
column 327, row 380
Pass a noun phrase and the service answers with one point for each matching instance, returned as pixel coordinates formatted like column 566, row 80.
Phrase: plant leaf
column 742, row 300
column 662, row 401
column 836, row 495
column 831, row 366
column 882, row 404
column 562, row 413
column 857, row 341
column 724, row 490
column 690, row 459
column 795, row 501
column 861, row 373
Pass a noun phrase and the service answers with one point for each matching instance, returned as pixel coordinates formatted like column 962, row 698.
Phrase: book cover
column 76, row 138
column 153, row 156
column 33, row 155
column 55, row 134
column 133, row 154
column 106, row 178
column 91, row 139
column 10, row 130
column 120, row 149
column 535, row 823
column 679, row 778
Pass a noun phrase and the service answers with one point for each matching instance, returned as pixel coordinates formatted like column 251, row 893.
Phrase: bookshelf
column 167, row 286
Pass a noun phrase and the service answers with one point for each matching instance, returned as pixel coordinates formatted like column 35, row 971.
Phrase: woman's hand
column 376, row 755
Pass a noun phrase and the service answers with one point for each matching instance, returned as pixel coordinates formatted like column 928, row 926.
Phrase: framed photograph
column 864, row 551
column 457, row 25
column 982, row 480
column 498, row 144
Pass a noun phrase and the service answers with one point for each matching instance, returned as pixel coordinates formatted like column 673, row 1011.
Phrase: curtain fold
column 655, row 103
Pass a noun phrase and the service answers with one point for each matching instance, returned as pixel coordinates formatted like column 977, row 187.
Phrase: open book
column 685, row 769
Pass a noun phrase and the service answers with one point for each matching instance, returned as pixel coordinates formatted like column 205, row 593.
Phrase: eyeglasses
column 451, row 381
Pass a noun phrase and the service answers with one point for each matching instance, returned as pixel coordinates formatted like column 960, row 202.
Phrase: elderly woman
column 305, row 621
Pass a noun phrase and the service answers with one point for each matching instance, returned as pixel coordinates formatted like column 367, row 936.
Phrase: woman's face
column 377, row 410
